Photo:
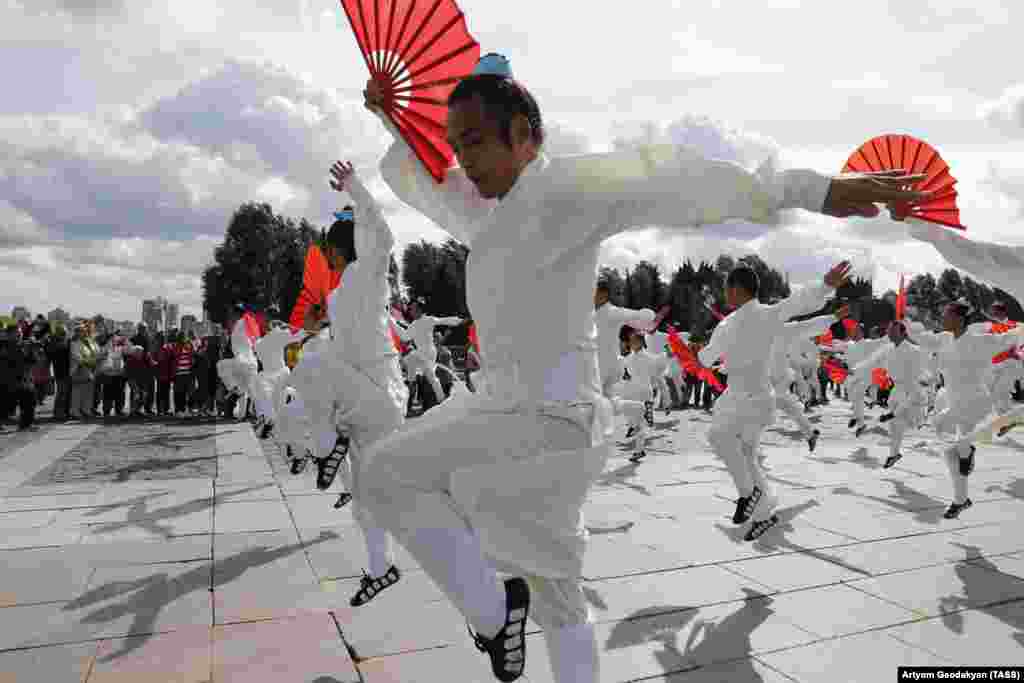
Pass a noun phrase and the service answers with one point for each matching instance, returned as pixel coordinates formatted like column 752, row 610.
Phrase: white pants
column 787, row 403
column 470, row 491
column 367, row 405
column 908, row 412
column 957, row 424
column 238, row 374
column 293, row 424
column 735, row 436
column 1005, row 375
column 269, row 392
column 417, row 363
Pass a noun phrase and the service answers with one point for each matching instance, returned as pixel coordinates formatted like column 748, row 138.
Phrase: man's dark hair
column 503, row 99
column 341, row 236
column 744, row 278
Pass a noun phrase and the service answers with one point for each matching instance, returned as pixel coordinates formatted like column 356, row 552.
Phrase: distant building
column 153, row 313
column 59, row 315
column 171, row 317
column 189, row 323
column 21, row 313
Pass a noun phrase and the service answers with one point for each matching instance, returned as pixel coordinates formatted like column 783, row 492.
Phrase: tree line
column 261, row 259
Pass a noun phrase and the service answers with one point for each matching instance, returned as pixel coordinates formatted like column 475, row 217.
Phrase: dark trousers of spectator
column 203, row 398
column 24, row 399
column 183, row 391
column 113, row 394
column 163, row 397
column 823, row 383
column 62, row 403
column 147, row 392
column 673, row 391
column 692, row 392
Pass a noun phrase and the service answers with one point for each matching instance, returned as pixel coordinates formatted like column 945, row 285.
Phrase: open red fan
column 318, row 280
column 888, row 152
column 417, row 51
column 689, row 362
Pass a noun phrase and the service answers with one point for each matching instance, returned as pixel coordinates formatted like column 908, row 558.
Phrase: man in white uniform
column 272, row 379
column 502, row 478
column 781, row 375
column 423, row 359
column 356, row 381
column 239, row 372
column 747, row 407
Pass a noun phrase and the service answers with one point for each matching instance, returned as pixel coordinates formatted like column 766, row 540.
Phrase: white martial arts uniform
column 782, row 376
column 272, row 379
column 805, row 360
column 609, row 320
column 859, row 379
column 656, row 344
column 747, row 407
column 639, row 388
column 239, row 372
column 295, row 424
column 423, row 359
column 516, row 463
column 355, row 383
column 905, row 364
column 964, row 361
column 1003, row 376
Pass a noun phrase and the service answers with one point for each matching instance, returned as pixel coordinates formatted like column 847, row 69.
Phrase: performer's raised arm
column 455, row 205
column 812, row 297
column 815, row 327
column 373, row 238
column 1001, row 265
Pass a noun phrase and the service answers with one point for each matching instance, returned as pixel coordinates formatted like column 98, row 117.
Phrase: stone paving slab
column 138, row 561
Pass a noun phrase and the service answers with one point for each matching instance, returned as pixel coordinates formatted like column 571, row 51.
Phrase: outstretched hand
column 856, row 194
column 341, row 174
column 839, row 274
column 373, row 96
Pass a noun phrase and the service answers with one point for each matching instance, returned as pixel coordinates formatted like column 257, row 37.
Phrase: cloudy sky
column 130, row 131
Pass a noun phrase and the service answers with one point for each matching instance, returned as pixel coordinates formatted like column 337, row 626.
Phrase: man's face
column 491, row 164
column 600, row 297
column 950, row 319
column 857, row 334
column 733, row 297
column 843, row 312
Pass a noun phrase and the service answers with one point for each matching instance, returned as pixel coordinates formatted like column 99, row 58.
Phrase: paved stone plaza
column 186, row 552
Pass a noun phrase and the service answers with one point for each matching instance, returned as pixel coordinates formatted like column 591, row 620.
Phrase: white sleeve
column 802, row 301
column 815, row 327
column 373, row 237
column 454, row 205
column 1000, row 265
column 719, row 344
column 625, row 316
column 676, row 186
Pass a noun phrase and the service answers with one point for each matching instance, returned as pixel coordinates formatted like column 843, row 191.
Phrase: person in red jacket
column 166, row 364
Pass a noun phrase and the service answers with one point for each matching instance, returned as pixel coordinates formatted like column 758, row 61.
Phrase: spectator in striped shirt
column 184, row 356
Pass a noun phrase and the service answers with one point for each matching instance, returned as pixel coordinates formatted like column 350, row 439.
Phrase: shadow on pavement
column 151, row 594
column 149, row 520
column 709, row 641
column 974, row 584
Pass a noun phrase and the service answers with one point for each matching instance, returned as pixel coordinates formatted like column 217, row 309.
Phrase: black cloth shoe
column 327, row 468
column 861, row 428
column 967, row 464
column 745, row 506
column 852, row 423
column 267, row 430
column 956, row 508
column 370, row 587
column 343, row 500
column 630, row 432
column 649, row 413
column 812, row 442
column 892, row 460
column 886, row 417
column 507, row 649
column 638, row 456
column 758, row 528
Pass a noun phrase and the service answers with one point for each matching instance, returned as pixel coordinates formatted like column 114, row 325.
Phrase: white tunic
column 270, row 348
column 642, row 367
column 609, row 319
column 421, row 332
column 532, row 266
column 241, row 345
column 534, row 254
column 792, row 333
column 747, row 335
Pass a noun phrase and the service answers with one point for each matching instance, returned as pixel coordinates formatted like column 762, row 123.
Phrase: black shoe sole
column 759, row 528
column 637, row 457
column 892, row 460
column 741, row 516
column 343, row 500
column 954, row 510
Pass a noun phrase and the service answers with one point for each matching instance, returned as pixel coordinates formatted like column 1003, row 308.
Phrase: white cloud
column 1007, row 112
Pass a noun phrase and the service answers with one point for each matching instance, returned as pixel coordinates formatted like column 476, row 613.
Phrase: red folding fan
column 417, row 51
column 888, row 152
column 901, row 300
column 318, row 280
